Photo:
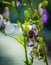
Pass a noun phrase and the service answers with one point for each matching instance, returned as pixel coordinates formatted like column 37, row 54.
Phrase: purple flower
column 45, row 18
column 35, row 36
column 6, row 14
column 45, row 15
column 32, row 45
column 31, row 53
column 34, row 27
column 35, row 31
column 2, row 24
column 18, row 4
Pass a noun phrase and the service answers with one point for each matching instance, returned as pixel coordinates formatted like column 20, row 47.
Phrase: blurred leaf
column 20, row 39
column 6, row 2
column 27, row 22
column 18, row 23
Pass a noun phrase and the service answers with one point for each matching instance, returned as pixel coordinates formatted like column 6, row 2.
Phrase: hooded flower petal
column 45, row 18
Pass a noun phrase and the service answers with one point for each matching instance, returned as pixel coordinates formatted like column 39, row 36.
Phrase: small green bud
column 13, row 3
column 27, row 14
column 44, row 4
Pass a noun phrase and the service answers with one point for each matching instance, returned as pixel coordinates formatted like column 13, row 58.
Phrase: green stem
column 24, row 40
column 45, row 57
column 25, row 44
column 31, row 5
column 32, row 60
column 25, row 51
column 8, row 35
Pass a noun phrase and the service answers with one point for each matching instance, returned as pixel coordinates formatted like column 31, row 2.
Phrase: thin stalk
column 24, row 41
column 8, row 35
column 25, row 51
column 45, row 57
column 31, row 5
column 32, row 60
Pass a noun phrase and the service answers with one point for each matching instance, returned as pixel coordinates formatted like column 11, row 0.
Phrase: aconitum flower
column 45, row 17
column 34, row 50
column 34, row 29
column 44, row 14
column 30, row 44
column 18, row 4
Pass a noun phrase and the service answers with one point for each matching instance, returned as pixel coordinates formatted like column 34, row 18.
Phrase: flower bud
column 13, row 3
column 44, row 4
column 27, row 14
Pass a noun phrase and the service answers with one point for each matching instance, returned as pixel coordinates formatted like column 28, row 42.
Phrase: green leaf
column 20, row 39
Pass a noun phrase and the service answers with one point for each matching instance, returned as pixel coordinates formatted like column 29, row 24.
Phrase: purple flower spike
column 18, row 4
